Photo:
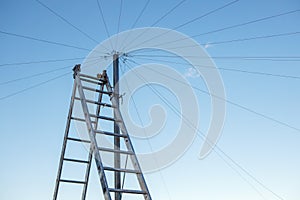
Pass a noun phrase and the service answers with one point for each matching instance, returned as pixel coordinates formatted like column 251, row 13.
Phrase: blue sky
column 33, row 121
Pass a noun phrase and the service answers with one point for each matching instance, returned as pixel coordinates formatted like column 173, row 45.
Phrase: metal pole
column 117, row 158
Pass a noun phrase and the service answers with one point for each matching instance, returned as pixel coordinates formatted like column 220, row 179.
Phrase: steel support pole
column 117, row 158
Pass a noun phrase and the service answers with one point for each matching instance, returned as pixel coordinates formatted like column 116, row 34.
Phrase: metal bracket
column 103, row 77
column 121, row 97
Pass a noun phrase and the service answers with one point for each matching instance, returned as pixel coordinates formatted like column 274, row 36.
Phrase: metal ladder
column 92, row 121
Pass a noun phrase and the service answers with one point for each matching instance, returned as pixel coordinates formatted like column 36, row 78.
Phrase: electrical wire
column 227, row 69
column 145, row 133
column 170, row 105
column 43, row 40
column 39, row 62
column 120, row 13
column 33, row 75
column 54, row 60
column 260, row 73
column 218, row 42
column 233, row 40
column 119, row 20
column 247, row 23
column 158, row 20
column 66, row 21
column 38, row 74
column 227, row 100
column 253, row 38
column 191, row 21
column 177, row 113
column 205, row 15
column 140, row 15
column 235, row 26
column 287, row 58
column 135, row 22
column 168, row 13
column 33, row 86
column 104, row 22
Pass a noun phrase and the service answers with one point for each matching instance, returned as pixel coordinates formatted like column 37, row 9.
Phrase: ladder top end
column 76, row 69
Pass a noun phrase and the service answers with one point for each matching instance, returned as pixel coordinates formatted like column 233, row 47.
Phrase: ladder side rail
column 128, row 142
column 88, row 169
column 65, row 141
column 94, row 145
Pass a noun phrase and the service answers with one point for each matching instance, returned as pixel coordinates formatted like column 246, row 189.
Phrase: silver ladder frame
column 102, row 80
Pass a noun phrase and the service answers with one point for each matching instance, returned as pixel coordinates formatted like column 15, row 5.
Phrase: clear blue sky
column 33, row 121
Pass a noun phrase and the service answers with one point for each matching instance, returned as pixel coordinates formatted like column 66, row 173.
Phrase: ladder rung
column 96, row 90
column 106, row 118
column 72, row 181
column 122, row 170
column 115, row 150
column 78, row 140
column 91, row 77
column 127, row 191
column 76, row 160
column 80, row 119
column 103, row 117
column 95, row 102
column 110, row 134
column 91, row 81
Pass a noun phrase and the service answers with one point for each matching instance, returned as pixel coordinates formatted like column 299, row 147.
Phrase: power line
column 137, row 19
column 33, row 86
column 228, row 101
column 50, row 61
column 120, row 13
column 234, row 40
column 148, row 141
column 191, row 21
column 247, row 23
column 140, row 15
column 103, row 20
column 260, row 73
column 206, row 14
column 234, row 169
column 33, row 75
column 171, row 106
column 228, row 69
column 255, row 38
column 287, row 58
column 40, row 61
column 119, row 20
column 235, row 26
column 66, row 21
column 43, row 40
column 91, row 59
column 159, row 20
column 167, row 13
